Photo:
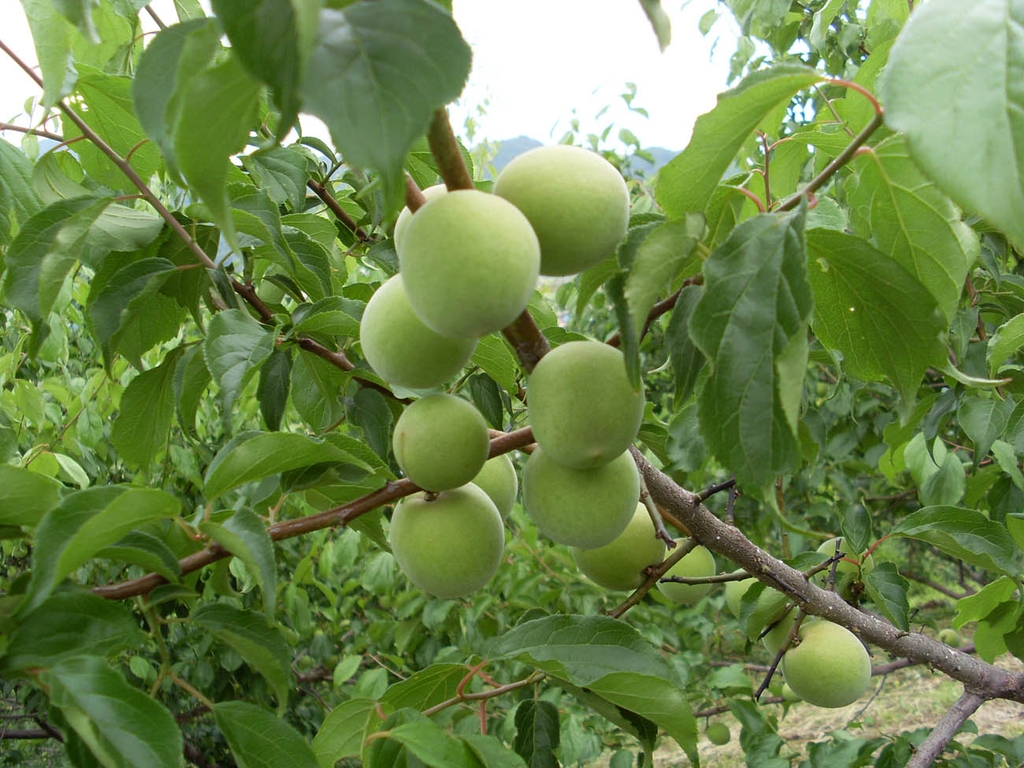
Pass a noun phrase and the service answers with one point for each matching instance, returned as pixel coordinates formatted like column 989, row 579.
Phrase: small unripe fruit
column 718, row 733
column 440, row 442
column 829, row 668
column 470, row 262
column 620, row 565
column 697, row 563
column 583, row 410
column 771, row 605
column 779, row 633
column 576, row 201
column 431, row 193
column 583, row 508
column 498, row 480
column 734, row 591
column 451, row 545
column 950, row 637
column 401, row 349
column 849, row 571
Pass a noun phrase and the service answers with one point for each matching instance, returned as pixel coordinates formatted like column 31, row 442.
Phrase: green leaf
column 905, row 216
column 609, row 658
column 684, row 357
column 216, row 114
column 687, row 183
column 665, row 254
column 376, row 75
column 27, row 495
column 111, row 304
column 317, row 388
column 272, row 39
column 236, row 345
column 83, row 524
column 145, row 550
column 259, row 642
column 175, row 56
column 121, row 725
column 431, row 744
column 537, row 733
column 106, row 107
column 888, row 590
column 964, row 534
column 935, row 64
column 497, row 361
column 947, row 485
column 191, row 377
column 272, row 392
column 341, row 734
column 1008, row 338
column 984, row 419
column 281, row 172
column 892, row 334
column 492, row 753
column 982, row 603
column 755, row 303
column 70, row 624
column 260, row 740
column 245, row 537
column 425, row 688
column 660, row 21
column 263, row 455
column 370, row 412
column 53, row 36
column 147, row 408
column 18, row 200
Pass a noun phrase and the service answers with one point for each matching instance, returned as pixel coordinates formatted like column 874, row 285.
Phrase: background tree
column 821, row 295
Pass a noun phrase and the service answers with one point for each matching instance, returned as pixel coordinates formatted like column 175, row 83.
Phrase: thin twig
column 31, row 131
column 654, row 575
column 711, row 490
column 652, row 510
column 321, row 191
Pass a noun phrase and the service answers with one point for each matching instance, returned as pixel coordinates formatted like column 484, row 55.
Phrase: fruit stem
column 445, row 149
column 414, row 197
column 793, row 634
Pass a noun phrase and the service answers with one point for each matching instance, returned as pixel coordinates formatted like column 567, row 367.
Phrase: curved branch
column 445, row 149
column 944, row 731
column 988, row 680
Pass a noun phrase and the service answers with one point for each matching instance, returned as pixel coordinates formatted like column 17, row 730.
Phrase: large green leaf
column 70, row 624
column 964, row 534
column 984, row 419
column 27, row 495
column 272, row 39
column 268, row 454
column 236, row 345
column 147, row 408
column 260, row 643
column 612, row 660
column 121, row 725
column 281, row 171
column 260, row 740
column 888, row 590
column 751, row 324
column 431, row 744
column 83, row 524
column 867, row 306
column 905, row 216
column 424, row 689
column 18, row 201
column 687, row 183
column 956, row 79
column 341, row 734
column 53, row 36
column 145, row 550
column 217, row 111
column 1008, row 338
column 537, row 733
column 376, row 75
column 244, row 536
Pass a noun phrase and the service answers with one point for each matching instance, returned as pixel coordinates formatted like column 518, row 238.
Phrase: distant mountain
column 511, row 148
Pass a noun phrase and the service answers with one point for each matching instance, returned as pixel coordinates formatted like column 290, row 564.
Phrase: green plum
column 620, row 565
column 697, row 563
column 441, row 442
column 498, row 480
column 829, row 667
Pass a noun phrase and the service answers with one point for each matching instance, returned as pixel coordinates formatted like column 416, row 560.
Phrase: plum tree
column 440, row 442
column 620, row 565
column 583, row 508
column 576, row 201
column 469, row 261
column 829, row 666
column 583, row 410
column 401, row 349
column 697, row 563
column 449, row 545
column 497, row 478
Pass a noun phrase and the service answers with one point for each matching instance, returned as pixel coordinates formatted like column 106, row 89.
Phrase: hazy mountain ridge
column 511, row 148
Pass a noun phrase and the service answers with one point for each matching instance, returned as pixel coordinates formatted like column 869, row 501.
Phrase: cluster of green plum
column 826, row 665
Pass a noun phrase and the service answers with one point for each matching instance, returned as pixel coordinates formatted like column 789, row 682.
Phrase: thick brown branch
column 30, row 733
column 445, row 149
column 526, row 339
column 287, row 529
column 988, row 680
column 321, row 191
column 944, row 731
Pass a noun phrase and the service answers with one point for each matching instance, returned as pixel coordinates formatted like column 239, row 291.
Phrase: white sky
column 535, row 61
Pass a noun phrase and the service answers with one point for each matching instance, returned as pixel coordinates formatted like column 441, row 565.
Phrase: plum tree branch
column 445, row 149
column 987, row 679
column 336, row 516
column 30, row 131
column 944, row 731
column 321, row 191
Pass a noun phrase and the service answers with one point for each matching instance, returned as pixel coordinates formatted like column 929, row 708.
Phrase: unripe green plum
column 401, row 349
column 620, row 565
column 498, row 480
column 697, row 563
column 576, row 201
column 789, row 695
column 448, row 546
column 441, row 442
column 470, row 262
column 779, row 633
column 583, row 410
column 950, row 637
column 583, row 508
column 734, row 591
column 718, row 734
column 849, row 571
column 829, row 668
column 431, row 193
